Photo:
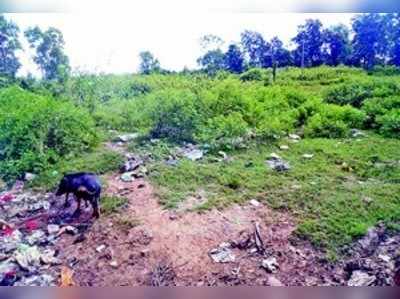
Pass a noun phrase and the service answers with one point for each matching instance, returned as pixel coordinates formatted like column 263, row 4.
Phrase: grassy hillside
column 347, row 186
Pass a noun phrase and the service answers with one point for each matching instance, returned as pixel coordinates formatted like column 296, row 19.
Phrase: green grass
column 99, row 161
column 112, row 204
column 324, row 195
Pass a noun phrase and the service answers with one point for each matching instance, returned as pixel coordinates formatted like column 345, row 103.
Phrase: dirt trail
column 173, row 247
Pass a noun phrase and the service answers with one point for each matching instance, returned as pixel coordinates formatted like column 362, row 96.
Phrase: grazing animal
column 84, row 185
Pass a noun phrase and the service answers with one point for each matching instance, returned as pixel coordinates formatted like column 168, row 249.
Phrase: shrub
column 376, row 107
column 255, row 74
column 173, row 115
column 223, row 131
column 36, row 131
column 390, row 123
column 354, row 93
column 334, row 121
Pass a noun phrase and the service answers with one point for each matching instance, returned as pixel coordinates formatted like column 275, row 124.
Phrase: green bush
column 334, row 121
column 37, row 130
column 390, row 123
column 376, row 107
column 357, row 91
column 255, row 74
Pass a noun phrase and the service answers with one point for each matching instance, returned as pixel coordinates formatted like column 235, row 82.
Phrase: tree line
column 373, row 39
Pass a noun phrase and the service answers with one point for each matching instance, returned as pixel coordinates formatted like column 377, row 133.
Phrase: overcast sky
column 111, row 42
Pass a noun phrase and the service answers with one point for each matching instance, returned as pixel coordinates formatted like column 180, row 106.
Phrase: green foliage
column 255, row 74
column 36, row 131
column 50, row 56
column 390, row 123
column 9, row 44
column 333, row 121
column 357, row 91
column 376, row 107
column 148, row 63
column 112, row 204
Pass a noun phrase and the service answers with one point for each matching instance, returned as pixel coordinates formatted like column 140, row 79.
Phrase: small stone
column 270, row 264
column 127, row 177
column 255, row 203
column 274, row 282
column 53, row 229
column 127, row 137
column 360, row 279
column 29, row 176
column 101, row 248
column 222, row 254
column 294, row 136
column 145, row 252
column 283, row 147
column 194, row 154
column 275, row 156
column 308, row 156
column 114, row 264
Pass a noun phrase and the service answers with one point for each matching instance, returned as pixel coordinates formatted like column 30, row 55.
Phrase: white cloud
column 110, row 42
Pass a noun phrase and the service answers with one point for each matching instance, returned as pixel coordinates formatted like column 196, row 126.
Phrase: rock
column 29, row 176
column 28, row 258
column 275, row 162
column 274, row 282
column 193, row 154
column 270, row 264
column 275, row 156
column 283, row 147
column 53, row 229
column 127, row 177
column 385, row 258
column 294, row 136
column 255, row 203
column 37, row 237
column 355, row 133
column 370, row 240
column 101, row 248
column 114, row 264
column 127, row 137
column 145, row 252
column 360, row 279
column 222, row 254
column 71, row 230
column 308, row 156
column 131, row 165
column 36, row 281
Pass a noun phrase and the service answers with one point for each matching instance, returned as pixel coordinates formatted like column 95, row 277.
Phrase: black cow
column 84, row 185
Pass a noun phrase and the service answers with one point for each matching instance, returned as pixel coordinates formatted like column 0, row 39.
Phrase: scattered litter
column 294, row 136
column 48, row 257
column 101, row 248
column 361, row 279
column 36, row 237
column 43, row 280
column 53, row 229
column 283, row 147
column 114, row 264
column 355, row 133
column 29, row 176
column 257, row 237
column 27, row 257
column 127, row 137
column 308, row 156
column 194, row 154
column 127, row 177
column 255, row 203
column 275, row 162
column 66, row 277
column 270, row 264
column 274, row 282
column 222, row 254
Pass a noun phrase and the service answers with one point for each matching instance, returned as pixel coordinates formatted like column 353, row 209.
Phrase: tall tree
column 234, row 59
column 148, row 63
column 212, row 62
column 256, row 49
column 50, row 56
column 211, row 42
column 336, row 45
column 9, row 44
column 309, row 40
column 392, row 22
column 280, row 56
column 369, row 42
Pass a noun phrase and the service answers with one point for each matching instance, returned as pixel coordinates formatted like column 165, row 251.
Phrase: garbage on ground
column 222, row 254
column 276, row 163
column 270, row 264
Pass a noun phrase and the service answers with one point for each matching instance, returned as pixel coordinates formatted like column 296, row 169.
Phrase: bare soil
column 147, row 245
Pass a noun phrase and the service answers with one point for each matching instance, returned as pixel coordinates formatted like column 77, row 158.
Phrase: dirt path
column 169, row 248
